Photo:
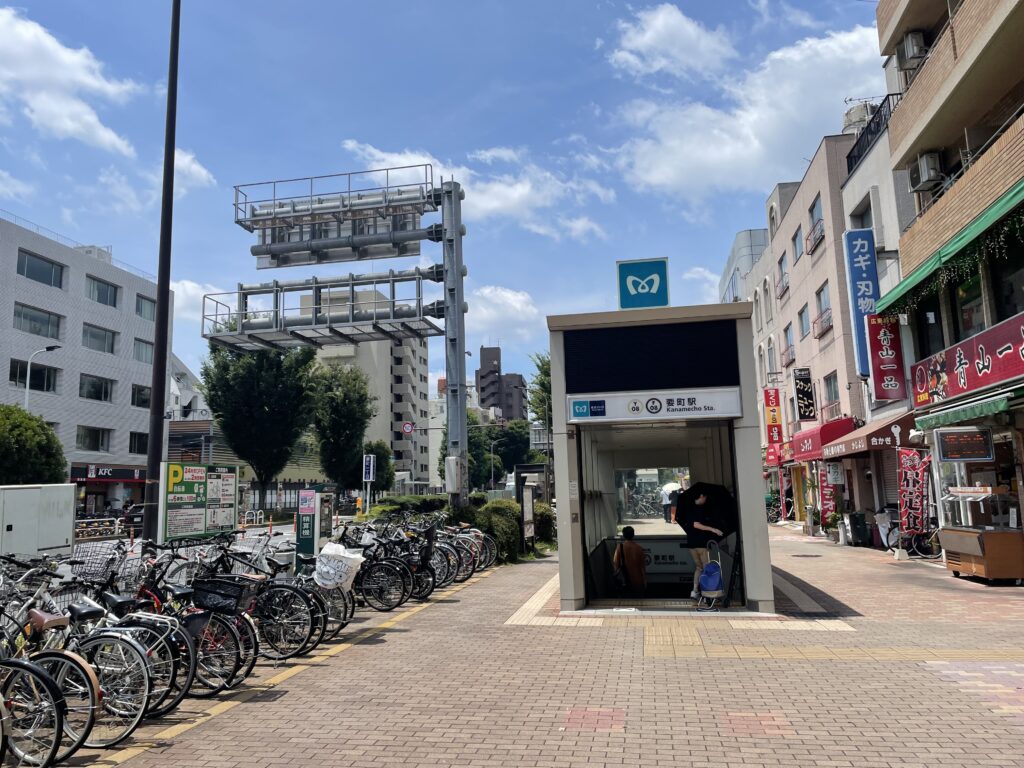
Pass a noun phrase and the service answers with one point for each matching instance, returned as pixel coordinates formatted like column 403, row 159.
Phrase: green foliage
column 30, row 452
column 343, row 408
column 385, row 466
column 540, row 388
column 514, row 447
column 421, row 504
column 500, row 518
column 477, row 499
column 504, row 507
column 544, row 522
column 262, row 403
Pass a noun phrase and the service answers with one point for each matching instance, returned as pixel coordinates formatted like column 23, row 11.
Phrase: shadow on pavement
column 831, row 606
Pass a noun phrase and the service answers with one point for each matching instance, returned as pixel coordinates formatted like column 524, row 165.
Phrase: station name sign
column 657, row 405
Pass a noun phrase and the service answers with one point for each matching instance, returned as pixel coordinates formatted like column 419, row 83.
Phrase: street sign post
column 369, row 475
column 407, row 428
column 643, row 283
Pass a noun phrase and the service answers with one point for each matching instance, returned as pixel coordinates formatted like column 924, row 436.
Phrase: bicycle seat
column 179, row 591
column 277, row 565
column 119, row 605
column 42, row 621
column 85, row 612
column 305, row 559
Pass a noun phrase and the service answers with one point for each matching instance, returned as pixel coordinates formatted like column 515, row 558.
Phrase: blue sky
column 583, row 132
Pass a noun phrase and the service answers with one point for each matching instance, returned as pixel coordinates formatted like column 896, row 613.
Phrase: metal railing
column 190, row 414
column 875, row 127
column 788, row 356
column 831, row 411
column 781, row 285
column 822, row 323
column 814, row 236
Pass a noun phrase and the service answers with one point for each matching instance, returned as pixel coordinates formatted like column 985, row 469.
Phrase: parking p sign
column 643, row 283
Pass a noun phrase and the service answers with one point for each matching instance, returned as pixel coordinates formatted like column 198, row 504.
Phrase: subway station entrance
column 650, row 405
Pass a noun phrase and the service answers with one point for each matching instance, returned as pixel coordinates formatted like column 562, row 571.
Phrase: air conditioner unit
column 911, row 51
column 925, row 173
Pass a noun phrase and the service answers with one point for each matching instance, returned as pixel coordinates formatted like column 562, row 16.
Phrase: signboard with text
column 886, row 354
column 912, row 475
column 773, row 415
column 991, row 357
column 804, row 394
column 197, row 500
column 828, row 495
column 862, row 281
column 964, row 444
column 369, row 467
column 660, row 405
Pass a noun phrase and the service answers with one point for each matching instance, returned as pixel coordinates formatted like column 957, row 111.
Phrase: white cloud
column 189, row 173
column 598, row 44
column 188, row 298
column 580, row 228
column 51, row 83
column 665, row 40
column 115, row 193
column 67, row 217
column 497, row 155
column 504, row 312
column 12, row 188
column 773, row 117
column 705, row 283
column 788, row 15
column 524, row 194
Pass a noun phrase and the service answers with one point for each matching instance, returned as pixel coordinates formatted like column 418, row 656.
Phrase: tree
column 540, row 388
column 262, row 403
column 478, row 449
column 343, row 407
column 385, row 476
column 30, row 452
column 514, row 447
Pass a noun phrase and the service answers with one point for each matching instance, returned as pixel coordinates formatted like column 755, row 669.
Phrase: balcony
column 781, row 285
column 989, row 172
column 895, row 17
column 822, row 323
column 831, row 411
column 969, row 68
column 788, row 356
column 875, row 127
column 814, row 236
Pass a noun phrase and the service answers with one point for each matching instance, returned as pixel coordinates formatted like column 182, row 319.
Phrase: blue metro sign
column 643, row 283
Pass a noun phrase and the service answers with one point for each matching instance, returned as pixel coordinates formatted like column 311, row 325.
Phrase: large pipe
column 434, row 273
column 353, row 242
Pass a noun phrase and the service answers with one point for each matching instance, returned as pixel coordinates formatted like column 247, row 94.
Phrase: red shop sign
column 912, row 475
column 773, row 415
column 828, row 495
column 886, row 355
column 991, row 357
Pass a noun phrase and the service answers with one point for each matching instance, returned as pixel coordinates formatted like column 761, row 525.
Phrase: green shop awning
column 965, row 412
column 1009, row 200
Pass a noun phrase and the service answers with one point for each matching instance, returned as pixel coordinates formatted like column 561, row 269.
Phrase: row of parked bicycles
column 94, row 644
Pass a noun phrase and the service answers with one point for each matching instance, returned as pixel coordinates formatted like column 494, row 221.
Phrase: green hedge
column 477, row 499
column 544, row 522
column 499, row 519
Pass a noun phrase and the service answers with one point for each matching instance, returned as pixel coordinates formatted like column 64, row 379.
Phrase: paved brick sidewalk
column 907, row 667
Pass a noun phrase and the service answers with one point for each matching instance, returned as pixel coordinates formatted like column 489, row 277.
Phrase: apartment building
column 957, row 132
column 97, row 314
column 503, row 391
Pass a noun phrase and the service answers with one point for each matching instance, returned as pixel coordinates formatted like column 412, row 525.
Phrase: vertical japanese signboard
column 862, row 279
column 307, row 514
column 886, row 353
column 369, row 467
column 828, row 495
column 197, row 500
column 913, row 485
column 773, row 415
column 804, row 394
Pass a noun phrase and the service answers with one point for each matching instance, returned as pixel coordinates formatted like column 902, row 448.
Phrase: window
column 803, row 317
column 37, row 321
column 144, row 351
column 138, row 442
column 101, row 291
column 815, row 211
column 782, row 265
column 798, row 244
column 44, row 378
column 95, row 388
column 968, row 318
column 145, row 308
column 772, row 368
column 99, row 339
column 832, row 388
column 767, row 302
column 1008, row 280
column 788, row 334
column 760, row 366
column 822, row 299
column 773, row 221
column 757, row 310
column 928, row 327
column 41, row 270
column 92, row 439
column 140, row 396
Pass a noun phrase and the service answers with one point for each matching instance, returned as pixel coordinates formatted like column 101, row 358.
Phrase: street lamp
column 28, row 368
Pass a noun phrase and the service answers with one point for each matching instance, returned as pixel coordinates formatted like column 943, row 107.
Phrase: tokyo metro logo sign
column 643, row 283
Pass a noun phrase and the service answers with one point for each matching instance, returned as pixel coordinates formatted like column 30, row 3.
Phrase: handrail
column 822, row 323
column 876, row 125
column 788, row 356
column 781, row 285
column 814, row 236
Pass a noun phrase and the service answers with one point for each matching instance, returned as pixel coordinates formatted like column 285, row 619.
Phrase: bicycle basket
column 221, row 595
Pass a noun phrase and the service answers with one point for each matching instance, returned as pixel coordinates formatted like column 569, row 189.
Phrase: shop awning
column 975, row 409
column 807, row 443
column 888, row 432
column 1009, row 200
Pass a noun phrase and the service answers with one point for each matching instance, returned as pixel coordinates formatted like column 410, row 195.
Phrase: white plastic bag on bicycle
column 336, row 566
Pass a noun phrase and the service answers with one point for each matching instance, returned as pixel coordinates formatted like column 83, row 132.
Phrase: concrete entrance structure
column 662, row 387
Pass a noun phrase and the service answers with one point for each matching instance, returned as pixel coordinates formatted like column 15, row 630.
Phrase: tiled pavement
column 905, row 666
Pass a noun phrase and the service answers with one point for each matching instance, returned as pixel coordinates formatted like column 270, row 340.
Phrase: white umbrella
column 669, row 487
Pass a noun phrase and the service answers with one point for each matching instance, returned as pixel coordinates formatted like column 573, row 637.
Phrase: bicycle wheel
column 185, row 648
column 123, row 672
column 453, row 564
column 439, row 562
column 892, row 540
column 381, row 586
column 320, row 612
column 467, row 561
column 407, row 577
column 80, row 688
column 249, row 647
column 218, row 657
column 284, row 617
column 926, row 545
column 163, row 661
column 490, row 550
column 424, row 582
column 337, row 611
column 34, row 718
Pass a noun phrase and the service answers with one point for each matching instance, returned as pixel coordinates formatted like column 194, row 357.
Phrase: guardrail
column 822, row 323
column 781, row 285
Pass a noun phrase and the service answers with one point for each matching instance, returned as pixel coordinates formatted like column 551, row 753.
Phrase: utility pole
column 155, row 449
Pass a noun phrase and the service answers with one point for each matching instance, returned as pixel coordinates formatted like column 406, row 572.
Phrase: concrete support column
column 757, row 567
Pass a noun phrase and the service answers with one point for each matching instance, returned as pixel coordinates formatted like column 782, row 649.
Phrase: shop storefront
column 106, row 488
column 813, row 487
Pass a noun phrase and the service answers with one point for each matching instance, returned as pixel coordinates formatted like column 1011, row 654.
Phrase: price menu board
column 198, row 500
column 964, row 444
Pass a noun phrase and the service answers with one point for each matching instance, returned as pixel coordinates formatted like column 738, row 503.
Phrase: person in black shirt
column 700, row 521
